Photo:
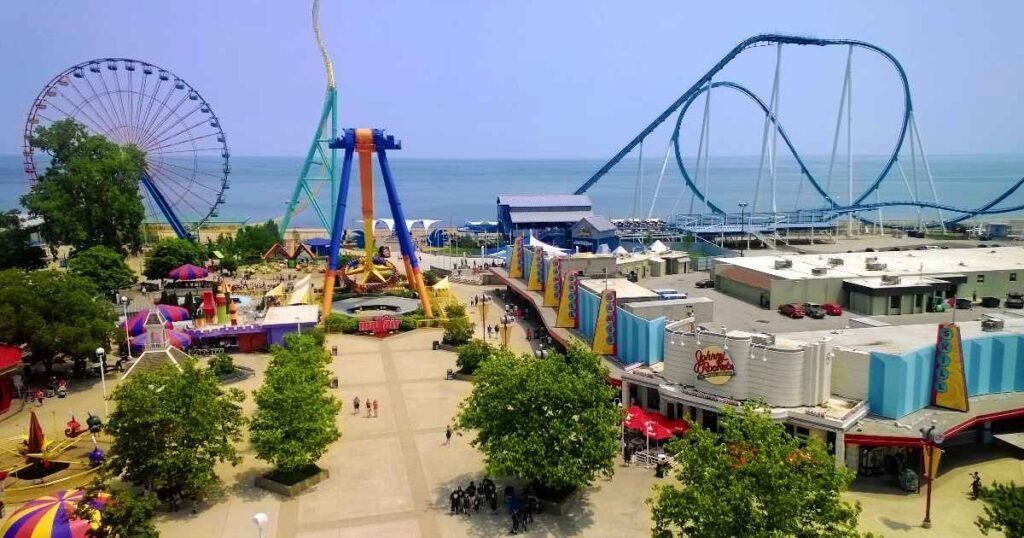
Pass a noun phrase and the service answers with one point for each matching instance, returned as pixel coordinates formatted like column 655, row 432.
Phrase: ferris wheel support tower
column 321, row 164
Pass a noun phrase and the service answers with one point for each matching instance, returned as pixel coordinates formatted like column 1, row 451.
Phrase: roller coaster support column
column 408, row 249
column 337, row 230
column 365, row 146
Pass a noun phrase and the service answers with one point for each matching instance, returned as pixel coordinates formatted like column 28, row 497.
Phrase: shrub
column 457, row 331
column 472, row 354
column 430, row 278
column 222, row 364
column 340, row 323
column 455, row 310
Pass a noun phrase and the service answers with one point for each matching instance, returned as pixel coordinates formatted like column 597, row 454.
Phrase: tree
column 89, row 195
column 221, row 364
column 251, row 242
column 168, row 254
column 295, row 419
column 553, row 421
column 472, row 354
column 229, row 263
column 457, row 331
column 104, row 266
column 753, row 479
column 14, row 243
column 1004, row 510
column 127, row 514
column 455, row 310
column 430, row 278
column 54, row 313
column 171, row 428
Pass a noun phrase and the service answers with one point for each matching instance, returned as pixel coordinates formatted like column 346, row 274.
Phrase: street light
column 260, row 519
column 743, row 228
column 101, row 355
column 127, row 336
column 931, row 438
column 298, row 326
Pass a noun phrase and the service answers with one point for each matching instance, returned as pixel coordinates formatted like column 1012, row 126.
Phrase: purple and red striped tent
column 173, row 313
column 187, row 272
column 52, row 516
column 173, row 338
column 137, row 323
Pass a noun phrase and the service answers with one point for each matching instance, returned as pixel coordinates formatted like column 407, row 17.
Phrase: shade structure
column 173, row 338
column 50, row 516
column 656, row 432
column 187, row 272
column 137, row 323
column 36, row 440
column 173, row 313
column 677, row 427
column 635, row 418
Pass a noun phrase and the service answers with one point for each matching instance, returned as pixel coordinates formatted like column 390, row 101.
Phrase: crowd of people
column 640, row 225
column 521, row 508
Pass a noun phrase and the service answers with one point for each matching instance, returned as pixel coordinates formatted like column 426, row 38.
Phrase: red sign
column 713, row 365
column 380, row 326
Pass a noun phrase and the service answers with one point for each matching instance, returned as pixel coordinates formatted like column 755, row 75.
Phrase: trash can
column 334, row 382
column 334, row 351
column 437, row 345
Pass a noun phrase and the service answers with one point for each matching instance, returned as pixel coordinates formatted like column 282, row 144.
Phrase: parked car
column 814, row 310
column 1014, row 299
column 792, row 310
column 833, row 309
column 706, row 283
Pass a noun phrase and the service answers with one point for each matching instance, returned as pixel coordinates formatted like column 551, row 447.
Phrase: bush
column 340, row 323
column 472, row 354
column 430, row 278
column 455, row 310
column 457, row 331
column 222, row 364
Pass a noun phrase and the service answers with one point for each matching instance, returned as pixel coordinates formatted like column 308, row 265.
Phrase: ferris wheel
column 133, row 102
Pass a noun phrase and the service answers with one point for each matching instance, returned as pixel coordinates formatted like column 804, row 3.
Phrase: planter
column 445, row 347
column 558, row 502
column 240, row 373
column 270, row 482
column 464, row 377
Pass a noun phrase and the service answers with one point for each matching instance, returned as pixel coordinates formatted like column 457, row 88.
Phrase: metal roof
column 570, row 217
column 545, row 200
column 600, row 224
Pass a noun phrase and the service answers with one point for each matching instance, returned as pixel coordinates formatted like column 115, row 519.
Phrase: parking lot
column 741, row 315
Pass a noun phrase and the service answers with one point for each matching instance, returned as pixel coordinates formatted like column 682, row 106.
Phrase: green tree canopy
column 126, row 514
column 251, row 242
column 104, row 266
column 753, row 479
column 89, row 195
column 171, row 428
column 295, row 419
column 1004, row 510
column 229, row 263
column 54, row 313
column 550, row 420
column 457, row 331
column 14, row 244
column 472, row 354
column 169, row 253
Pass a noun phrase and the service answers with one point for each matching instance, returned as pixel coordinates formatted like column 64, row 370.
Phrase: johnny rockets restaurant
column 867, row 392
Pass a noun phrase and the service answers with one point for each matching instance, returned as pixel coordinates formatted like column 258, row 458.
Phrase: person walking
column 355, row 405
column 39, row 397
column 975, row 486
column 375, row 408
column 448, row 435
column 456, row 500
column 369, row 408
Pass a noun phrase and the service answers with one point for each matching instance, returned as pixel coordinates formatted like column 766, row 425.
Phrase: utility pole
column 743, row 228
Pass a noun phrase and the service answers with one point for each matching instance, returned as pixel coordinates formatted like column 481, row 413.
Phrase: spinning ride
column 372, row 271
column 130, row 102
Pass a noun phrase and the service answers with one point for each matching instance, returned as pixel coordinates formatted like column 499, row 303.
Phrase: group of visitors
column 520, row 508
column 371, row 407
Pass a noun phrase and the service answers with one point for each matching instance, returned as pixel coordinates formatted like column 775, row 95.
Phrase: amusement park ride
column 830, row 207
column 131, row 102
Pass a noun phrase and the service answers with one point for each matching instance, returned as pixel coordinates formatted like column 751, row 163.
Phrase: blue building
column 548, row 216
column 591, row 232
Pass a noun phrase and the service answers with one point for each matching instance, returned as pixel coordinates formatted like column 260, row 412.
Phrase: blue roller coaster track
column 704, row 84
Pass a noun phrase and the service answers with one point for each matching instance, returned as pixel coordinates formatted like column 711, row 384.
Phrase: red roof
column 10, row 357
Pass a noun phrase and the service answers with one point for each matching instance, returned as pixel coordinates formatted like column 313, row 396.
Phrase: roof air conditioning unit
column 890, row 279
column 835, row 261
column 818, row 271
column 783, row 264
column 990, row 324
column 763, row 339
column 875, row 266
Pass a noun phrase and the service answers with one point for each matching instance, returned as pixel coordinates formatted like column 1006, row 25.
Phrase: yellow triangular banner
column 605, row 328
column 567, row 303
column 551, row 282
column 536, row 280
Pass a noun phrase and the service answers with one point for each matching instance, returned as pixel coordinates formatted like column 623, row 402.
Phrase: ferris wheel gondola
column 131, row 102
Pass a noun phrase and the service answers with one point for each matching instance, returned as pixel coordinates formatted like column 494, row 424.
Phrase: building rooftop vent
column 835, row 261
column 991, row 324
column 783, row 264
column 875, row 266
column 890, row 279
column 819, row 271
column 763, row 339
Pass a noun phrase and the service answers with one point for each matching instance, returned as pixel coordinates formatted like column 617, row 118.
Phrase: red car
column 833, row 309
column 792, row 310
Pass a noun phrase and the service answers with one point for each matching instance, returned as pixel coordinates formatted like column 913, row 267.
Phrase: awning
column 442, row 284
column 10, row 357
column 1015, row 440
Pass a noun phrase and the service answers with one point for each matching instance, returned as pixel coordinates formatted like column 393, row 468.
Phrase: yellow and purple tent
column 51, row 516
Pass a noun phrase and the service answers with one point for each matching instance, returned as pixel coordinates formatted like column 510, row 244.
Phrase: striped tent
column 173, row 338
column 137, row 323
column 51, row 516
column 187, row 272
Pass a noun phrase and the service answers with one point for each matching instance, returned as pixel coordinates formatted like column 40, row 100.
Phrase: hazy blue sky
column 531, row 78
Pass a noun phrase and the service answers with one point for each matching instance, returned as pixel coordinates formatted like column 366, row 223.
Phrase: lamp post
column 504, row 331
column 260, row 519
column 101, row 355
column 931, row 438
column 743, row 227
column 298, row 326
column 483, row 315
column 127, row 335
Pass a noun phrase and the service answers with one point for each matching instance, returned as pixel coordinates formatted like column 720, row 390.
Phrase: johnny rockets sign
column 713, row 365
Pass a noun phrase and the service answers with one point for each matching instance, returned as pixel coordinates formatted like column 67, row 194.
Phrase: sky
column 540, row 79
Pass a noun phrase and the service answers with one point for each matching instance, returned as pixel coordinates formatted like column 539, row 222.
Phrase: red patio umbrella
column 656, row 431
column 677, row 427
column 635, row 418
column 187, row 272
